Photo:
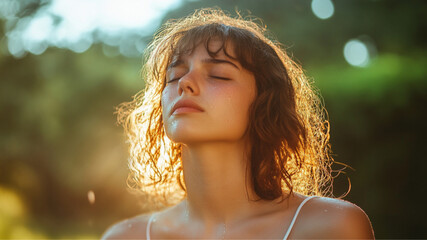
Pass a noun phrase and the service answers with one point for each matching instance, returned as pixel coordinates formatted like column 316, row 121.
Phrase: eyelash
column 221, row 78
column 172, row 80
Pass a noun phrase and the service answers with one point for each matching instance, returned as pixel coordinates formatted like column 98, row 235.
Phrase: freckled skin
column 225, row 102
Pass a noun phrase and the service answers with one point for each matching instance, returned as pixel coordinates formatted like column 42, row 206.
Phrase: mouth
column 185, row 110
column 186, row 106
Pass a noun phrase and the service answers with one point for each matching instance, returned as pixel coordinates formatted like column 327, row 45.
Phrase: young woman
column 229, row 140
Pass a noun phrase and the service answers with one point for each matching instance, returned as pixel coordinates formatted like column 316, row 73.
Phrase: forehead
column 218, row 40
column 214, row 46
column 202, row 54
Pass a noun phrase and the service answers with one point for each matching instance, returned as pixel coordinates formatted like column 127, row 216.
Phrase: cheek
column 165, row 101
column 235, row 109
column 242, row 103
column 241, row 107
column 166, row 98
column 240, row 98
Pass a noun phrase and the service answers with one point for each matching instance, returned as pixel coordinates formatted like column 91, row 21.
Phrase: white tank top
column 284, row 238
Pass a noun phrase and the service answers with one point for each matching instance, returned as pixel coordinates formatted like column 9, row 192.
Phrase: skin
column 213, row 141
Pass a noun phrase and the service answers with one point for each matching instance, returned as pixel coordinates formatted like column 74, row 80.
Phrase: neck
column 217, row 181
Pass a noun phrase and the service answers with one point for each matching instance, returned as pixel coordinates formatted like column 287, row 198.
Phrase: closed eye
column 218, row 77
column 174, row 79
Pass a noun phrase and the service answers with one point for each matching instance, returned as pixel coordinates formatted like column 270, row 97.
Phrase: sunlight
column 11, row 205
column 78, row 24
column 91, row 197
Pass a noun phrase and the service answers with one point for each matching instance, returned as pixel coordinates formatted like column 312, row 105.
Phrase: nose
column 188, row 84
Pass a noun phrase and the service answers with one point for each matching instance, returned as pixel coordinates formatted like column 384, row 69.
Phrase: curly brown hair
column 288, row 129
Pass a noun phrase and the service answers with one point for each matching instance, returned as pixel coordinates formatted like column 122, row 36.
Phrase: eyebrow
column 175, row 63
column 179, row 62
column 219, row 61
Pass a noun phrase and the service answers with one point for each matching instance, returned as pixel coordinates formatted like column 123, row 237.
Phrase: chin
column 187, row 138
column 202, row 138
column 192, row 133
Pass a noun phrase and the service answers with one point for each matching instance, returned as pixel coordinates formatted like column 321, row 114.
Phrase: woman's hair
column 288, row 130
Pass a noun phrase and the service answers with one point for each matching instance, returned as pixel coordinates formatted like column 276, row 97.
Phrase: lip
column 186, row 105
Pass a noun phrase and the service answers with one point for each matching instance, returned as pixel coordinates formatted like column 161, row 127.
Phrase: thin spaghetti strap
column 147, row 231
column 296, row 215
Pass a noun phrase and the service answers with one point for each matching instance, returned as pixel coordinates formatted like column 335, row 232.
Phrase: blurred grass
column 386, row 72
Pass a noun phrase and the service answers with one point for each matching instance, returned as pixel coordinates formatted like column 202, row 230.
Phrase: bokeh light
column 91, row 197
column 322, row 9
column 356, row 53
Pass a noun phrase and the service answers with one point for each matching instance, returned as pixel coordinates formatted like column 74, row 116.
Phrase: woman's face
column 207, row 99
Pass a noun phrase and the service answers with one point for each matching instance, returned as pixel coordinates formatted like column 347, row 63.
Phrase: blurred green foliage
column 59, row 139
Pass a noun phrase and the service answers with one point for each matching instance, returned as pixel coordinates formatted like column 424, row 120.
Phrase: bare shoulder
column 133, row 228
column 335, row 218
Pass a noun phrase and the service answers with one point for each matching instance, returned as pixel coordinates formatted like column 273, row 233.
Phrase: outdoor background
column 65, row 65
